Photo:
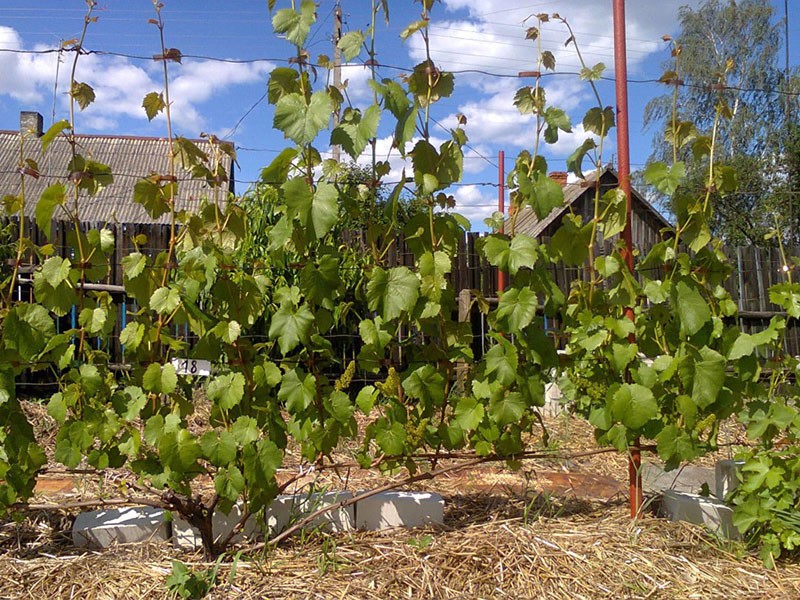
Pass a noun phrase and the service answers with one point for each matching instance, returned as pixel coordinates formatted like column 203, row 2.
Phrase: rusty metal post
column 501, row 207
column 623, row 154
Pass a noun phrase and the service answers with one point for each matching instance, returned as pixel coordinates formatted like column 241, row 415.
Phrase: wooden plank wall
column 754, row 270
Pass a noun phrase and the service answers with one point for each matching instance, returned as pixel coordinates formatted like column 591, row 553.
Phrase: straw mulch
column 553, row 529
column 491, row 547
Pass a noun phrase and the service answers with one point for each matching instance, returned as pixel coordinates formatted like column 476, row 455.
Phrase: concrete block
column 727, row 477
column 687, row 478
column 290, row 508
column 552, row 401
column 103, row 528
column 399, row 509
column 187, row 537
column 714, row 514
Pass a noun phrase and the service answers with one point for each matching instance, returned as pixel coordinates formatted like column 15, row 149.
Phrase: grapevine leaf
column 227, row 390
column 301, row 122
column 82, row 93
column 709, row 376
column 291, row 325
column 350, row 44
column 297, row 393
column 295, row 25
column 160, row 379
column 219, row 447
column 507, row 409
column 392, row 292
column 391, row 440
column 153, row 104
column 52, row 196
column 692, row 309
column 633, row 405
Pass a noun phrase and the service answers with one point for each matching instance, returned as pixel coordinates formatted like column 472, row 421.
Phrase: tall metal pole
column 624, row 158
column 501, row 207
column 337, row 69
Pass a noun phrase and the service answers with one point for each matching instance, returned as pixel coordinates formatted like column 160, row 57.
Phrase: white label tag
column 192, row 366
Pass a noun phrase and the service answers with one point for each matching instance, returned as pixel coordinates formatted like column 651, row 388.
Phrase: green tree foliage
column 726, row 55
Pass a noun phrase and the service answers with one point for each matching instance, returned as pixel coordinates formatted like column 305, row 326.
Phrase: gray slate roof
column 528, row 222
column 130, row 159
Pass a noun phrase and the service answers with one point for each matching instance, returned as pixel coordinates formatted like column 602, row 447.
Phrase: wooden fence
column 754, row 271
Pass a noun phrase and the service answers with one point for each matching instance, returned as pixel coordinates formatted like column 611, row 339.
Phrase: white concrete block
column 188, row 537
column 399, row 509
column 288, row 509
column 700, row 510
column 552, row 400
column 726, row 475
column 103, row 528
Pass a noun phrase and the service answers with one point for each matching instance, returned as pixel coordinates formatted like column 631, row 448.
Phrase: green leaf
column 633, row 405
column 229, row 482
column 93, row 319
column 391, row 440
column 366, row 398
column 392, row 292
column 599, row 121
column 433, row 268
column 548, row 195
column 301, row 122
column 355, row 131
column 575, row 160
column 508, row 409
column 613, row 207
column 52, row 133
column 228, row 331
column 152, row 197
column 226, row 390
column 692, row 309
column 324, row 209
column 82, row 93
column 27, row 329
column 743, row 346
column 219, row 447
column 787, row 296
column 502, row 361
column 165, row 300
column 54, row 195
column 556, row 120
column 295, row 25
column 429, row 84
column 55, row 270
column 517, row 307
column 340, row 406
column 291, row 325
column 179, row 450
column 297, row 393
column 469, row 413
column 350, row 44
column 665, row 179
column 709, row 376
column 153, row 104
column 425, row 384
column 160, row 379
column 245, row 430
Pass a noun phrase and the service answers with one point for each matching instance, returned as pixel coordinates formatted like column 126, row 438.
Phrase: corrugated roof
column 130, row 159
column 528, row 222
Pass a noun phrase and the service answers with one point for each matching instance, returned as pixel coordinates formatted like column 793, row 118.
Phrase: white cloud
column 120, row 84
column 476, row 203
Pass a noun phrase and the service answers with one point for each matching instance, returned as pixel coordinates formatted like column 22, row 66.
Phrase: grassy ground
column 552, row 529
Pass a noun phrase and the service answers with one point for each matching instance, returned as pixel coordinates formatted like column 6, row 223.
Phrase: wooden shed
column 131, row 158
column 646, row 224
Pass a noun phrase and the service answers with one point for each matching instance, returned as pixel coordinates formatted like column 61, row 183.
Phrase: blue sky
column 222, row 90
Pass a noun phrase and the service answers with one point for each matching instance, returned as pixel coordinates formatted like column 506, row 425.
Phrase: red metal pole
column 501, row 207
column 623, row 153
